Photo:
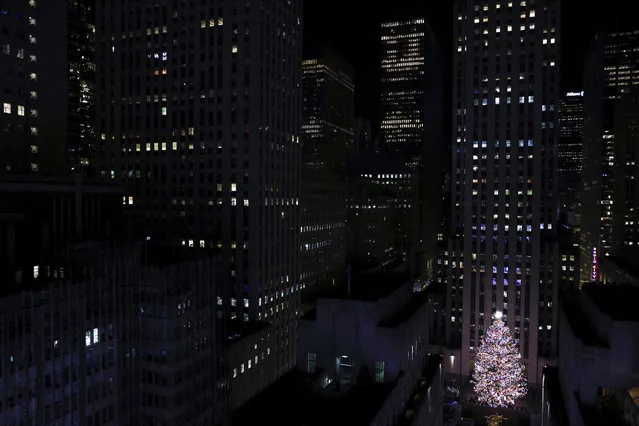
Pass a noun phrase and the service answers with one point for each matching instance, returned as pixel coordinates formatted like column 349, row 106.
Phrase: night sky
column 351, row 27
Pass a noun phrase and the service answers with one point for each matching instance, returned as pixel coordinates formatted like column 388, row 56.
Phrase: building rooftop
column 36, row 183
column 237, row 330
column 164, row 254
column 306, row 405
column 627, row 268
column 618, row 301
column 405, row 312
column 580, row 323
column 367, row 286
column 605, row 414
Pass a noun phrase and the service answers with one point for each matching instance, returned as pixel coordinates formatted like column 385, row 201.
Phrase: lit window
column 34, row 112
column 163, row 110
column 21, row 110
column 233, row 187
column 246, row 203
column 34, row 131
column 7, row 108
column 234, row 372
column 32, row 21
column 234, row 49
column 33, row 76
column 32, row 3
column 36, row 271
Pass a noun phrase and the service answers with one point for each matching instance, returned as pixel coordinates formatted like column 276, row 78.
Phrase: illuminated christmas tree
column 499, row 371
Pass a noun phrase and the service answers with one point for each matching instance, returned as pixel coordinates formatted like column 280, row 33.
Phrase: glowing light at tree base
column 499, row 378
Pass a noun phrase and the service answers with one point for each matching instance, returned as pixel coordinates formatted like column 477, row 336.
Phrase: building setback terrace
column 310, row 403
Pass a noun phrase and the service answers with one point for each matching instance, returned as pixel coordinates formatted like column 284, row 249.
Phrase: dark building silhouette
column 411, row 128
column 327, row 135
column 328, row 108
column 383, row 220
column 363, row 139
column 625, row 198
column 611, row 71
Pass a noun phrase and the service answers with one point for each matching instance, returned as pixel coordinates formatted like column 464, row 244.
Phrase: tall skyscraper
column 571, row 122
column 611, row 70
column 199, row 119
column 329, row 97
column 625, row 199
column 363, row 142
column 33, row 87
column 81, row 96
column 327, row 134
column 503, row 254
column 403, row 74
column 411, row 125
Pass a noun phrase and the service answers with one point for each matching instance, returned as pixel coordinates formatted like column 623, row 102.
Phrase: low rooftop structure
column 617, row 301
column 311, row 405
column 382, row 334
column 598, row 326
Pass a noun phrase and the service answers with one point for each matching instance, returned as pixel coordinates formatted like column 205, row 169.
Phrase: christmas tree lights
column 499, row 371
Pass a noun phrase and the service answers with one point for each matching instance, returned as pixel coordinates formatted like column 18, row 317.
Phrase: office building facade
column 411, row 122
column 503, row 254
column 611, row 71
column 625, row 213
column 81, row 75
column 571, row 121
column 199, row 119
column 33, row 88
column 327, row 135
column 403, row 84
column 328, row 109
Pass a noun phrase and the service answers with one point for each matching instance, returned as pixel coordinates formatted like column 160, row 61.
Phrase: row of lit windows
column 6, row 49
column 249, row 363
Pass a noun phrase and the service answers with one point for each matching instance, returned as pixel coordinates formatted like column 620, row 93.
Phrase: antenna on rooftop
column 348, row 278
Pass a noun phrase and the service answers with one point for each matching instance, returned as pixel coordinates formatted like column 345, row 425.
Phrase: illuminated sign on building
column 595, row 265
column 575, row 93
